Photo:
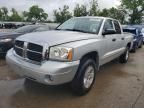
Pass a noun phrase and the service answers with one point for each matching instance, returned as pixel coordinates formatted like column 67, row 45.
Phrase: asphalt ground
column 116, row 86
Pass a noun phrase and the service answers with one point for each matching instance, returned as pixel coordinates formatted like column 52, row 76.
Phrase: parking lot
column 117, row 86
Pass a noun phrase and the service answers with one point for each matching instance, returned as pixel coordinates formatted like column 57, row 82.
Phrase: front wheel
column 124, row 57
column 85, row 77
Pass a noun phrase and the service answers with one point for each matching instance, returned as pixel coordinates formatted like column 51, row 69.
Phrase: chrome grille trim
column 34, row 51
column 25, row 49
column 18, row 47
column 27, row 54
column 28, row 50
column 27, row 60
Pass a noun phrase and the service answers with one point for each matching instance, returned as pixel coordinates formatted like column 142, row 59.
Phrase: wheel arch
column 92, row 55
column 129, row 45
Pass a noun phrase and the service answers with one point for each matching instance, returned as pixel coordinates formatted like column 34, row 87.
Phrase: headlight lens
column 61, row 53
column 6, row 40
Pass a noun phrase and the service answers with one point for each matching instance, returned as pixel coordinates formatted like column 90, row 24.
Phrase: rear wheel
column 85, row 77
column 124, row 57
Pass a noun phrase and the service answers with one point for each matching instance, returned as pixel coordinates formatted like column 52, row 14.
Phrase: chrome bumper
column 49, row 72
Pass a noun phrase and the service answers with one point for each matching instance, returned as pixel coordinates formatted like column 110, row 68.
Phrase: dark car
column 138, row 37
column 140, row 28
column 143, row 34
column 7, row 38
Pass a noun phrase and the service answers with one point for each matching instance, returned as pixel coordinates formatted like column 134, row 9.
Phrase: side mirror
column 108, row 31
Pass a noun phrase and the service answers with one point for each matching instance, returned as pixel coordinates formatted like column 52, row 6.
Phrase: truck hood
column 56, row 37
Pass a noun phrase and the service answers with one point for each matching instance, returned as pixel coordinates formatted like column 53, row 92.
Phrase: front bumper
column 49, row 72
column 135, row 44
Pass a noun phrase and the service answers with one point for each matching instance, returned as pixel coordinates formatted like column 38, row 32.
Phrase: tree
column 35, row 14
column 62, row 15
column 115, row 13
column 0, row 14
column 104, row 13
column 25, row 15
column 4, row 12
column 15, row 16
column 93, row 8
column 134, row 8
column 80, row 10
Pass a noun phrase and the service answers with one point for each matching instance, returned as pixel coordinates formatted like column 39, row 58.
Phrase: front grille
column 35, row 47
column 19, row 43
column 18, row 51
column 29, row 51
column 34, row 56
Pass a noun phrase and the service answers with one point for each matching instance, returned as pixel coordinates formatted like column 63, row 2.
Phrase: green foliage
column 135, row 9
column 93, row 8
column 4, row 13
column 80, row 11
column 0, row 14
column 35, row 14
column 104, row 13
column 62, row 15
column 114, row 13
column 15, row 16
column 131, row 10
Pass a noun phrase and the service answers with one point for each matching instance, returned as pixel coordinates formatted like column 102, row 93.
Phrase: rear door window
column 117, row 27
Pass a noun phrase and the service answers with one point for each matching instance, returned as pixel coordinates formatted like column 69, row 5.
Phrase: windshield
column 86, row 25
column 26, row 29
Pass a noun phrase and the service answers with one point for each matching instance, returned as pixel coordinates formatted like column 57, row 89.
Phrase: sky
column 50, row 5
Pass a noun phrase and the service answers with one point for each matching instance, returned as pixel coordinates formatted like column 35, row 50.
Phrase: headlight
column 6, row 40
column 61, row 53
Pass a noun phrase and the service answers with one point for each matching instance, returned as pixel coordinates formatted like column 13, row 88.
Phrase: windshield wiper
column 74, row 30
column 80, row 31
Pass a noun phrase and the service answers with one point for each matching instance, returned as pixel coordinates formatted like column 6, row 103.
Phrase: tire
column 124, row 57
column 86, row 69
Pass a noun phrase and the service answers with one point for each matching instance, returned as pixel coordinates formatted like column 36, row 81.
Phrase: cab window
column 117, row 27
column 108, row 25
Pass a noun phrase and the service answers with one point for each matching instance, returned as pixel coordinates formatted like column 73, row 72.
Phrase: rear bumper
column 50, row 72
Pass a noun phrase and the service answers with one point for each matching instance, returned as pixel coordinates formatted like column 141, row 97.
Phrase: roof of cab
column 95, row 17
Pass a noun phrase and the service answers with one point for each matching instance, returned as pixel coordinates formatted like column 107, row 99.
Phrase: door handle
column 114, row 40
column 122, row 38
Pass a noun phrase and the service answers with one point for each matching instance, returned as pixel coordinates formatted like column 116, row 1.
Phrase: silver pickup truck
column 73, row 53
